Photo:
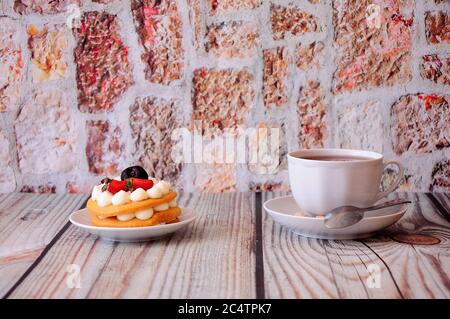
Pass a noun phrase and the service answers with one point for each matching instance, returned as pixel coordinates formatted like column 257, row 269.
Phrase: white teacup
column 323, row 179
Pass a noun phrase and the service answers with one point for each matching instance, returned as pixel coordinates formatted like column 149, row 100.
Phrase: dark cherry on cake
column 134, row 172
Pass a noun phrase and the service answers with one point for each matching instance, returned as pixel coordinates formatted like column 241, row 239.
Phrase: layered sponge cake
column 131, row 201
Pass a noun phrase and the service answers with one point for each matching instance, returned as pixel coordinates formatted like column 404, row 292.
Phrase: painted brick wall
column 90, row 87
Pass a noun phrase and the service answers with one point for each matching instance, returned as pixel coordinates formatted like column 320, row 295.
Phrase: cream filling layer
column 105, row 198
column 143, row 214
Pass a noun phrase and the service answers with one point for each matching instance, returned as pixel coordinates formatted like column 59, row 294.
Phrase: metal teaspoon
column 345, row 216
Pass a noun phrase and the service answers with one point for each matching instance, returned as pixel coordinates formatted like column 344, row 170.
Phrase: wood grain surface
column 232, row 250
column 298, row 267
column 441, row 202
column 28, row 223
column 212, row 258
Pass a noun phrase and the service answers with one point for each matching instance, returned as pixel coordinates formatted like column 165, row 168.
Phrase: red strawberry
column 141, row 183
column 115, row 186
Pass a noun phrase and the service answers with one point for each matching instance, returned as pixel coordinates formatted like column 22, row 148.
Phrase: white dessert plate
column 82, row 219
column 284, row 209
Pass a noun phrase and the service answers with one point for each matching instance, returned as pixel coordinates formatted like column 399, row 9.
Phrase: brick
column 267, row 148
column 221, row 98
column 268, row 186
column 11, row 65
column 361, row 126
column 104, row 147
column 48, row 53
column 152, row 122
column 235, row 39
column 41, row 189
column 420, row 123
column 311, row 111
column 437, row 28
column 196, row 18
column 158, row 25
column 81, row 183
column 215, row 178
column 103, row 69
column 436, row 68
column 410, row 183
column 225, row 6
column 291, row 20
column 275, row 76
column 7, row 178
column 155, row 7
column 440, row 177
column 308, row 55
column 46, row 145
column 43, row 6
column 385, row 60
column 76, row 187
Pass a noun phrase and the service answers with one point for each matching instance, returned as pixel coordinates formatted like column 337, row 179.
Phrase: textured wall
column 81, row 102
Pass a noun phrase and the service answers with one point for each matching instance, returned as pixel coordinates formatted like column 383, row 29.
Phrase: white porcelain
column 82, row 219
column 283, row 210
column 319, row 186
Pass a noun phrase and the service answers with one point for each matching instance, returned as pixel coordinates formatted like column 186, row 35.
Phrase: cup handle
column 397, row 181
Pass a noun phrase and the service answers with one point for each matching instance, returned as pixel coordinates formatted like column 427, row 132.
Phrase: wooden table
column 233, row 250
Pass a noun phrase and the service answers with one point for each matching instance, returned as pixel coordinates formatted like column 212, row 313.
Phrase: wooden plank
column 442, row 203
column 420, row 271
column 28, row 222
column 298, row 267
column 444, row 199
column 211, row 258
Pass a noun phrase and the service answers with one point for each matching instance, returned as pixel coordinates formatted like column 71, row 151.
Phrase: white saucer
column 283, row 210
column 82, row 219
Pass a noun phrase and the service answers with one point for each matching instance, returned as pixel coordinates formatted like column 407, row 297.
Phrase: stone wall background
column 80, row 103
